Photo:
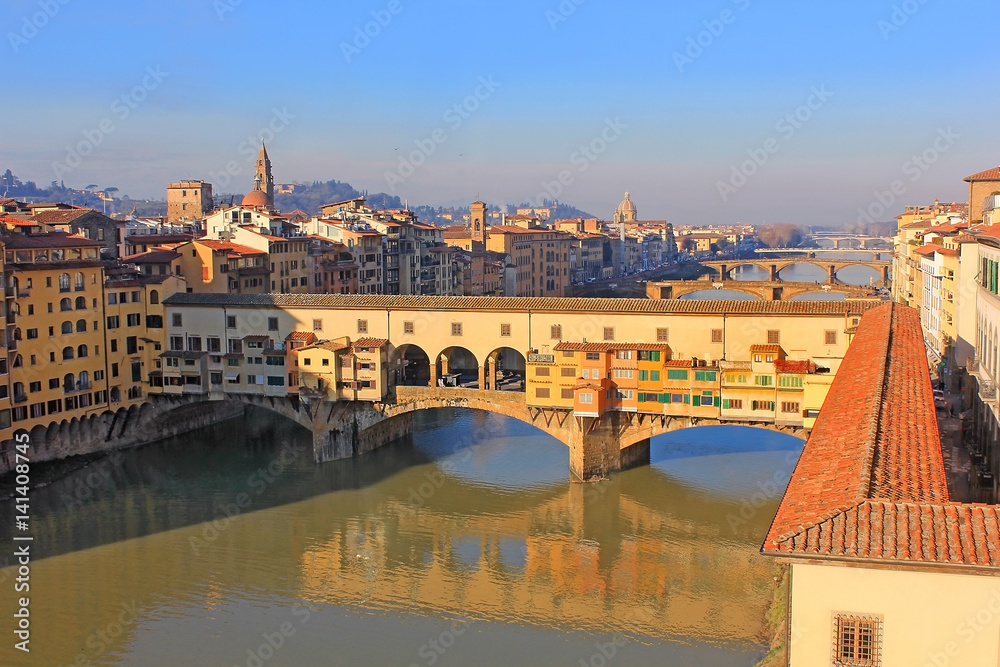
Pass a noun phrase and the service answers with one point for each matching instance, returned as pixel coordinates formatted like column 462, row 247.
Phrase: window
column 276, row 380
column 231, row 321
column 566, row 394
column 662, row 335
column 81, row 326
column 408, row 328
column 567, row 372
column 114, row 368
column 609, row 333
column 317, row 325
column 626, row 373
column 31, row 334
column 858, row 641
column 81, row 352
column 154, row 298
column 176, row 320
column 830, row 337
column 177, row 343
column 67, row 353
column 763, row 380
column 34, row 386
column 623, row 354
column 272, row 324
column 789, row 406
column 773, row 336
column 542, row 392
column 704, row 376
column 586, row 399
column 716, row 335
column 132, row 319
column 65, row 304
column 504, row 330
column 456, row 328
column 542, row 371
column 762, row 405
column 789, row 381
column 132, row 345
column 362, row 326
column 593, row 356
column 732, row 404
column 114, row 321
column 556, row 332
column 677, row 375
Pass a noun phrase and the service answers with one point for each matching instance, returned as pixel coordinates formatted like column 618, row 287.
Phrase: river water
column 465, row 544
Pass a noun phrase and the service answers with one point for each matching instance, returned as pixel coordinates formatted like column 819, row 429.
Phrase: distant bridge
column 812, row 252
column 862, row 240
column 725, row 267
column 764, row 290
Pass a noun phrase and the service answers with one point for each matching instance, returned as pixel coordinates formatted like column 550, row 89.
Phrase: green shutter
column 687, row 399
column 696, row 401
column 643, row 375
column 654, row 356
column 654, row 376
column 718, row 400
column 664, row 398
column 725, row 404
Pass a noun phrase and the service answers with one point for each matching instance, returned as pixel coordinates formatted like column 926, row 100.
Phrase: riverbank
column 777, row 622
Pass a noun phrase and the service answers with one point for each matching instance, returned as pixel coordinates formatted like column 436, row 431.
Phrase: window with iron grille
column 456, row 328
column 773, row 336
column 407, row 327
column 505, row 330
column 830, row 337
column 662, row 335
column 609, row 333
column 716, row 335
column 556, row 332
column 362, row 326
column 857, row 640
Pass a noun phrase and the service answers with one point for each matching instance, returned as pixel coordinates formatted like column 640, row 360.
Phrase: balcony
column 988, row 391
column 20, row 398
column 972, row 366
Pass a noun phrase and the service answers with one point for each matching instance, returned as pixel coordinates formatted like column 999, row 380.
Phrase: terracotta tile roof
column 607, row 347
column 155, row 256
column 307, row 336
column 19, row 222
column 790, row 366
column 233, row 248
column 51, row 240
column 870, row 483
column 62, row 216
column 919, row 224
column 678, row 363
column 525, row 304
column 951, row 252
column 928, row 249
column 765, row 348
column 988, row 175
column 369, row 342
column 329, row 345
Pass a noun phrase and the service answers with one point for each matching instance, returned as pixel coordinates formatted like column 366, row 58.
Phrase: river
column 465, row 544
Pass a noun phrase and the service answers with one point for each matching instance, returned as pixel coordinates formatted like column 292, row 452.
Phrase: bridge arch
column 412, row 366
column 504, row 364
column 455, row 359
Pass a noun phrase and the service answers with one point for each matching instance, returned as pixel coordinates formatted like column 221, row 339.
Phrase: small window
column 272, row 324
column 362, row 326
column 716, row 335
column 504, row 330
column 609, row 333
column 317, row 325
column 830, row 337
column 542, row 371
column 408, row 328
column 556, row 332
column 586, row 399
column 542, row 392
column 567, row 393
column 177, row 320
column 858, row 641
column 773, row 337
column 662, row 335
column 568, row 372
column 230, row 321
column 456, row 328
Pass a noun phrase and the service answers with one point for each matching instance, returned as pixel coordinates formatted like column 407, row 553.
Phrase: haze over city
column 440, row 103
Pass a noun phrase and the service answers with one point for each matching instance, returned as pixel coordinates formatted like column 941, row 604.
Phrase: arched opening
column 63, row 282
column 84, row 380
column 65, row 304
column 69, row 383
column 410, row 366
column 67, row 353
column 154, row 297
column 81, row 352
column 66, row 328
column 116, row 395
column 81, row 303
column 81, row 326
column 802, row 272
column 78, row 282
column 504, row 370
column 456, row 367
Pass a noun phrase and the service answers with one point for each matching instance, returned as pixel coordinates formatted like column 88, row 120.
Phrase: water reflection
column 452, row 525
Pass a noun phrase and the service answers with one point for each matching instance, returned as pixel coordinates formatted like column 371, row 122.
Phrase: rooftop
column 50, row 240
column 870, row 484
column 527, row 304
column 988, row 175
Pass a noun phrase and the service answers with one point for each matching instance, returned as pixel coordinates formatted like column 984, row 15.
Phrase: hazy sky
column 708, row 112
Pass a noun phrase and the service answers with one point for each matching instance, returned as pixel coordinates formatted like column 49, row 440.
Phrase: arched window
column 69, row 382
column 84, row 382
column 81, row 303
column 81, row 326
column 116, row 395
column 67, row 328
column 67, row 353
column 65, row 304
column 154, row 297
column 63, row 282
column 81, row 351
column 18, row 361
column 18, row 390
column 17, row 333
column 78, row 281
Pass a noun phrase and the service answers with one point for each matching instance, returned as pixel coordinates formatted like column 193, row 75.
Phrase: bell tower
column 477, row 222
column 263, row 180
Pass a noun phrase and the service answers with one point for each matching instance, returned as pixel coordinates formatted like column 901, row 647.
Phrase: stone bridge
column 776, row 266
column 846, row 241
column 763, row 290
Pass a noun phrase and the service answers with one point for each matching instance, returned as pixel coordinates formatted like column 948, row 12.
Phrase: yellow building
column 223, row 267
column 55, row 297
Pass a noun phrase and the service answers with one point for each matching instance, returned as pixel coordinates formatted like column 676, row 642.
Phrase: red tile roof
column 765, row 348
column 608, row 347
column 947, row 251
column 307, row 336
column 50, row 240
column 62, row 216
column 233, row 248
column 870, row 483
column 370, row 342
column 928, row 249
column 790, row 366
column 988, row 175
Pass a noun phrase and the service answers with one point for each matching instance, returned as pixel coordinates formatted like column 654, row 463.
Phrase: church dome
column 626, row 206
column 255, row 198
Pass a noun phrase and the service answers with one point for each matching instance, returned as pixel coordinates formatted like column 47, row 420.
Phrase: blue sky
column 684, row 104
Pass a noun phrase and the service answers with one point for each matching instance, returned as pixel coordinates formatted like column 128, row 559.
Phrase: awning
column 232, row 377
